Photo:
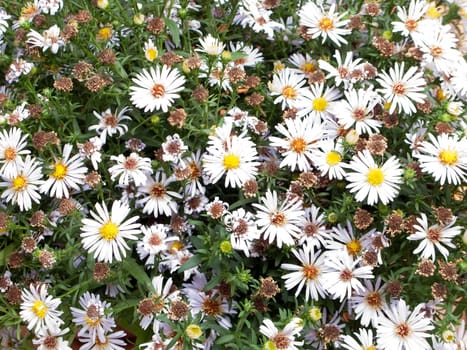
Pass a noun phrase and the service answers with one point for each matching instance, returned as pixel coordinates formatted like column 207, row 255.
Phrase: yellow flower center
column 231, row 161
column 193, row 331
column 326, row 24
column 158, row 90
column 151, row 54
column 104, row 33
column 354, row 247
column 434, row 11
column 93, row 322
column 333, row 158
column 310, row 272
column 39, row 309
column 10, row 154
column 60, row 171
column 298, row 145
column 289, row 92
column 375, row 177
column 448, row 157
column 308, row 67
column 176, row 247
column 19, row 183
column 109, row 231
column 320, row 104
column 269, row 345
column 371, row 347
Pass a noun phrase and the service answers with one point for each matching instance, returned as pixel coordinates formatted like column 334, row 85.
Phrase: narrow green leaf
column 195, row 260
column 174, row 31
column 137, row 272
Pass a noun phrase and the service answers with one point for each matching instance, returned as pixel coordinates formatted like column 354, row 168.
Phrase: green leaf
column 225, row 339
column 195, row 260
column 137, row 271
column 174, row 31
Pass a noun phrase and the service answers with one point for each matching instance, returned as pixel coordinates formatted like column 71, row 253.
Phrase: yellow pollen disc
column 19, row 183
column 372, row 347
column 326, row 24
column 448, row 157
column 39, row 309
column 308, row 67
column 176, row 247
column 93, row 322
column 60, row 171
column 354, row 247
column 231, row 161
column 375, row 177
column 320, row 104
column 434, row 12
column 10, row 154
column 109, row 231
column 298, row 145
column 151, row 54
column 104, row 33
column 289, row 92
column 333, row 158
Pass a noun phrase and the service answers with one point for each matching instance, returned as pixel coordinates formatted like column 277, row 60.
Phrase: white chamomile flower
column 444, row 157
column 39, row 309
column 105, row 234
column 288, row 87
column 318, row 102
column 110, row 123
column 328, row 158
column 12, row 148
column 281, row 339
column 132, row 168
column 23, row 187
column 150, row 51
column 211, row 46
column 371, row 182
column 49, row 39
column 156, row 89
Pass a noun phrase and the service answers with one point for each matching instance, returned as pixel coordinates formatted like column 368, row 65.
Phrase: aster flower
column 156, row 89
column 365, row 340
column 341, row 73
column 112, row 341
column 39, row 309
column 369, row 302
column 110, row 123
column 252, row 56
column 328, row 159
column 129, row 168
column 309, row 274
column 211, row 46
column 357, row 111
column 105, row 234
column 342, row 239
column 23, row 187
column 318, row 102
column 400, row 329
column 93, row 317
column 253, row 14
column 150, row 51
column 371, row 181
column 283, row 339
column 314, row 228
column 68, row 172
column 444, row 157
column 301, row 137
column 243, row 231
column 51, row 340
column 279, row 222
column 304, row 64
column 434, row 236
column 411, row 21
column 321, row 23
column 401, row 88
column 12, row 148
column 155, row 241
column 157, row 199
column 173, row 149
column 50, row 6
column 49, row 39
column 288, row 86
column 342, row 277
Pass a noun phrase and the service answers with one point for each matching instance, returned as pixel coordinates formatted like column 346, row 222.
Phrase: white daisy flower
column 365, row 340
column 12, row 144
column 400, row 329
column 4, row 16
column 105, row 234
column 458, row 79
column 434, row 236
column 150, row 51
column 373, row 182
column 49, row 39
column 51, row 339
column 342, row 239
column 314, row 228
column 39, row 309
column 401, row 89
column 356, row 111
column 253, row 14
column 50, row 6
column 283, row 339
column 91, row 150
column 341, row 73
column 211, row 46
column 236, row 158
column 23, row 187
column 310, row 273
column 288, row 86
column 243, row 231
column 129, row 168
column 156, row 89
column 252, row 55
column 154, row 242
column 68, row 172
column 324, row 23
column 342, row 277
column 112, row 341
column 173, row 149
column 93, row 317
column 301, row 137
column 411, row 21
column 280, row 222
column 304, row 64
column 444, row 157
column 369, row 302
column 110, row 123
column 317, row 102
column 193, row 165
column 157, row 199
column 328, row 159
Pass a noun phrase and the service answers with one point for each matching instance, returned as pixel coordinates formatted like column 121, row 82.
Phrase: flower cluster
column 252, row 174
